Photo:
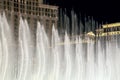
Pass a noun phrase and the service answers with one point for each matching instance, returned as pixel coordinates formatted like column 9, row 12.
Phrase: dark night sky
column 100, row 10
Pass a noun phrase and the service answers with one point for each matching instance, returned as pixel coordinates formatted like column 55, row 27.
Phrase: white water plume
column 56, row 58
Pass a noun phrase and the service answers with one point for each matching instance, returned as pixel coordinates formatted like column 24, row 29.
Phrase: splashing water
column 56, row 60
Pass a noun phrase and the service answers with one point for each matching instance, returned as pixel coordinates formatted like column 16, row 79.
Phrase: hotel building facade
column 32, row 10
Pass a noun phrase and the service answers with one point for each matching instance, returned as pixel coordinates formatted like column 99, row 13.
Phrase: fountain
column 56, row 60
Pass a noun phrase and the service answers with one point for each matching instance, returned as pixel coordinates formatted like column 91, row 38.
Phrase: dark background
column 102, row 11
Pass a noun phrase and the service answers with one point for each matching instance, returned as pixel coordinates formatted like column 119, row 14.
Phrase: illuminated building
column 32, row 10
column 109, row 30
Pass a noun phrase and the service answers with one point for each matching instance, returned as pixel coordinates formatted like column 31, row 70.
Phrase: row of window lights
column 29, row 7
column 16, row 9
column 112, row 29
column 22, row 2
column 16, row 5
column 9, row 8
column 36, row 8
column 41, row 14
column 36, row 11
column 109, row 33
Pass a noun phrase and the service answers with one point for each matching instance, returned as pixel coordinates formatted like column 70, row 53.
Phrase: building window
column 22, row 1
column 16, row 9
column 4, row 7
column 39, row 9
column 48, row 14
column 15, row 0
column 42, row 13
column 29, row 3
column 22, row 6
column 34, row 8
column 42, row 9
column 8, row 3
column 4, row 2
column 29, row 12
column 51, row 11
column 39, row 13
column 15, row 5
column 29, row 7
column 9, row 8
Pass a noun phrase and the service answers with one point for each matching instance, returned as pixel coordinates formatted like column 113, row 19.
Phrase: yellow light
column 111, row 25
column 91, row 34
column 110, row 33
column 98, row 30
